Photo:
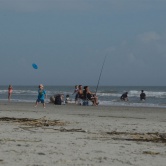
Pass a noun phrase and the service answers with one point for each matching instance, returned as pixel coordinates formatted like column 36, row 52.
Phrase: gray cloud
column 130, row 32
column 43, row 5
column 81, row 5
column 145, row 49
column 149, row 37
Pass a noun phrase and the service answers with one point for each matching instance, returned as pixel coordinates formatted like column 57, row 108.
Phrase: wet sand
column 81, row 135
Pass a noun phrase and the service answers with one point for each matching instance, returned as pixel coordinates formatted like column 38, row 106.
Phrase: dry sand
column 81, row 135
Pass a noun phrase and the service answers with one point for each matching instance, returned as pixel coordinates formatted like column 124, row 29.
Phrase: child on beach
column 10, row 90
column 76, row 93
column 41, row 95
column 67, row 99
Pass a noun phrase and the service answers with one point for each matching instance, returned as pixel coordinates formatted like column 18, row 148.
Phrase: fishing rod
column 100, row 74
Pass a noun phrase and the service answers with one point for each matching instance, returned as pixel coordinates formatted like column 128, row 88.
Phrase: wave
column 135, row 93
column 129, row 104
column 31, row 92
column 19, row 92
column 104, row 93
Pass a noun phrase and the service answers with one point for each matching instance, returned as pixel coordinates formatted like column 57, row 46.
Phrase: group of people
column 81, row 93
column 124, row 96
column 85, row 94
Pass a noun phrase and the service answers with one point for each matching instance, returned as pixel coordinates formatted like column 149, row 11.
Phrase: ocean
column 108, row 95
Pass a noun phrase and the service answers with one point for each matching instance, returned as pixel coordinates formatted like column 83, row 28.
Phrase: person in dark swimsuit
column 124, row 96
column 142, row 95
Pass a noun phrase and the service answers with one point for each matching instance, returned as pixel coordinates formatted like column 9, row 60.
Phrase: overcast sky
column 68, row 40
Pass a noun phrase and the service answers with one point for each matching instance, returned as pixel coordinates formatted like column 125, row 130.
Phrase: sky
column 69, row 39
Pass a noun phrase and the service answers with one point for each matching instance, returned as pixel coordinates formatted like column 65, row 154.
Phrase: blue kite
column 34, row 66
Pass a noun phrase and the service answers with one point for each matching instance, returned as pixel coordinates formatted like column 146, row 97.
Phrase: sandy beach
column 81, row 135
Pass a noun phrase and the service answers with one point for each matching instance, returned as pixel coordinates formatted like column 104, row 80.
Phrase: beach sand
column 81, row 135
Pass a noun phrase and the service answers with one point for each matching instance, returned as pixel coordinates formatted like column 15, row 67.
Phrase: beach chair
column 83, row 101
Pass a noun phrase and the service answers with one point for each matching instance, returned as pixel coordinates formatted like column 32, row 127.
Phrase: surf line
column 100, row 74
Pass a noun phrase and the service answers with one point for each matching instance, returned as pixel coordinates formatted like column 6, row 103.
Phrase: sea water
column 108, row 95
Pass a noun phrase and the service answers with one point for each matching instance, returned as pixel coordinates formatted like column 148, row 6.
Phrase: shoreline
column 87, row 135
column 160, row 106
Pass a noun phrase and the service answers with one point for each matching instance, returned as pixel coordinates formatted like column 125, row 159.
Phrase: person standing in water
column 41, row 96
column 10, row 91
column 142, row 96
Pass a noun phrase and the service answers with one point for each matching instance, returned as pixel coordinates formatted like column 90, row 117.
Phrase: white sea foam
column 121, row 103
column 19, row 92
column 3, row 91
column 131, row 93
column 135, row 93
column 109, row 94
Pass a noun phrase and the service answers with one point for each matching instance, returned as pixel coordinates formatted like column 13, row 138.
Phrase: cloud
column 152, row 43
column 140, row 52
column 149, row 37
column 131, row 58
column 81, row 5
column 43, row 5
column 138, row 4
